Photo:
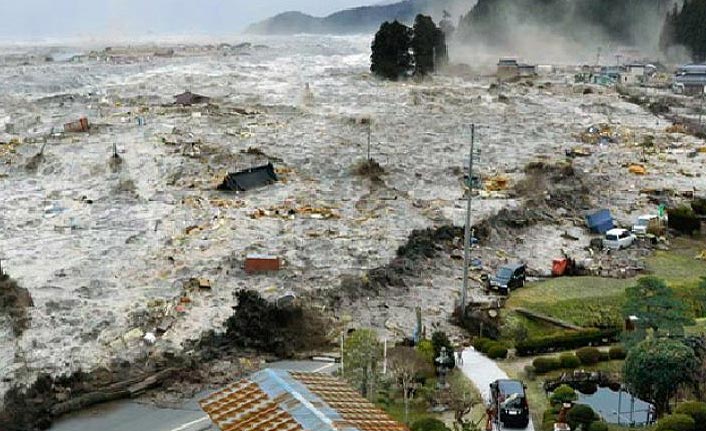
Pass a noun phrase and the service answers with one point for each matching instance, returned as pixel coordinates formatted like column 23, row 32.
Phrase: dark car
column 510, row 403
column 509, row 277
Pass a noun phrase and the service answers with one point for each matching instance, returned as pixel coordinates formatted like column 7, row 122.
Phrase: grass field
column 590, row 301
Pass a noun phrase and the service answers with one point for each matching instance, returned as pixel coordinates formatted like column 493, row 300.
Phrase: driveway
column 482, row 372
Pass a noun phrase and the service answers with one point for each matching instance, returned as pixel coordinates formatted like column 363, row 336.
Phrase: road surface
column 129, row 415
column 482, row 372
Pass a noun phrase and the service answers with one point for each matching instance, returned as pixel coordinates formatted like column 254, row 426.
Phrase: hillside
column 364, row 19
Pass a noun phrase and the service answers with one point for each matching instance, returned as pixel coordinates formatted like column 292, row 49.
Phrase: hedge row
column 583, row 356
column 566, row 340
column 493, row 349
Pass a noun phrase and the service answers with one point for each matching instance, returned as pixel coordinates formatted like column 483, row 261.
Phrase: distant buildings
column 690, row 79
column 188, row 98
column 509, row 69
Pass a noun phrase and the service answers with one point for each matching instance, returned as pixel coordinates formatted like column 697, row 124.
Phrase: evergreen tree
column 391, row 57
column 429, row 46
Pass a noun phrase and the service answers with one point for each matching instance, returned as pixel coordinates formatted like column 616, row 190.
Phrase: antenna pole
column 467, row 230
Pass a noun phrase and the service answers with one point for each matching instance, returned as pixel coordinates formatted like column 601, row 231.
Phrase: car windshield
column 513, row 401
column 505, row 273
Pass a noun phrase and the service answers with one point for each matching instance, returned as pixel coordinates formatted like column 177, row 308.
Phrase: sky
column 27, row 20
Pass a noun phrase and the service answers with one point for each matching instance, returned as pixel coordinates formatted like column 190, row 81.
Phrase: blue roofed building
column 278, row 400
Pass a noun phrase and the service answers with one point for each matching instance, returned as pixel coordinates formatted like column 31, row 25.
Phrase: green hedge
column 497, row 351
column 617, row 352
column 697, row 411
column 482, row 344
column 589, row 355
column 565, row 340
column 546, row 364
column 676, row 422
column 569, row 360
column 684, row 220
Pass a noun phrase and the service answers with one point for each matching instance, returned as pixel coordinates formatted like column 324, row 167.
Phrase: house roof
column 277, row 400
column 249, row 179
column 189, row 98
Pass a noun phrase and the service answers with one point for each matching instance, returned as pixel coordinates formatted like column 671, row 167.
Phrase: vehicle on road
column 510, row 403
column 509, row 277
column 617, row 239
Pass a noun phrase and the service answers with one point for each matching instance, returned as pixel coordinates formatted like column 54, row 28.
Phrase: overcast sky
column 37, row 19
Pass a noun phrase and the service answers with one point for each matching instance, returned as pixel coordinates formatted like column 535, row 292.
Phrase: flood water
column 617, row 407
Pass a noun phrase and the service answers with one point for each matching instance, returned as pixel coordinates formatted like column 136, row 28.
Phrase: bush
column 696, row 410
column 566, row 340
column 546, row 364
column 482, row 344
column 676, row 422
column 588, row 355
column 429, row 424
column 617, row 352
column 699, row 206
column 497, row 351
column 569, row 360
column 683, row 219
column 563, row 394
column 598, row 426
column 580, row 415
column 603, row 355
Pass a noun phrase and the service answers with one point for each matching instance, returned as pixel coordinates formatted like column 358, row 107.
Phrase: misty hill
column 589, row 22
column 366, row 19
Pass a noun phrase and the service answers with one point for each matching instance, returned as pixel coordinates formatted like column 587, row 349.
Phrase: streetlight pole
column 467, row 230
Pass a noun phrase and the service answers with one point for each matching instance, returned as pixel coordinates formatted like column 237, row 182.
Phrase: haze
column 30, row 20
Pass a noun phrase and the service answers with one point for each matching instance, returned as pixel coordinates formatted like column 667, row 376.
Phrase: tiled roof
column 276, row 400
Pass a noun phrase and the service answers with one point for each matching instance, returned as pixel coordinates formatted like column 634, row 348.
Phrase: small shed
column 248, row 179
column 261, row 263
column 188, row 98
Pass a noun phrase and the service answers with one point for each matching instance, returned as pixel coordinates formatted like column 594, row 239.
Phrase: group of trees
column 399, row 51
column 661, row 360
column 686, row 27
column 409, row 369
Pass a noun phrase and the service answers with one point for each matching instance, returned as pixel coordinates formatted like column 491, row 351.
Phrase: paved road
column 132, row 416
column 482, row 372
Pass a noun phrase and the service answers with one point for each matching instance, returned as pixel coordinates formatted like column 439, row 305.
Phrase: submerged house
column 509, row 69
column 249, row 179
column 278, row 400
column 188, row 98
column 690, row 79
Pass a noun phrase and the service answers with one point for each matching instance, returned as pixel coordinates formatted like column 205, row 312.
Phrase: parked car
column 618, row 238
column 510, row 403
column 509, row 277
column 642, row 224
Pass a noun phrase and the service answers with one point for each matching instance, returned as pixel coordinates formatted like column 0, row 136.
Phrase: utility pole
column 342, row 368
column 369, row 133
column 467, row 230
column 598, row 56
column 701, row 105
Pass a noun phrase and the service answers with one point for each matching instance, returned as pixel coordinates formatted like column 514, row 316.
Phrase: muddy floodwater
column 107, row 248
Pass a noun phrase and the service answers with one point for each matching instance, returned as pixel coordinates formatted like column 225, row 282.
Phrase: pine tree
column 429, row 46
column 391, row 57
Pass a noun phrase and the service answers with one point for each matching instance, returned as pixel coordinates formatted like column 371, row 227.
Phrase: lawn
column 591, row 301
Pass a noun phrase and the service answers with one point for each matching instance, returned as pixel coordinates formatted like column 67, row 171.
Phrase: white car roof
column 615, row 231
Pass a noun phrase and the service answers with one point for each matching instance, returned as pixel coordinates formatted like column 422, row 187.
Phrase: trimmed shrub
column 598, row 426
column 588, row 355
column 566, row 340
column 563, row 394
column 683, row 219
column 497, row 351
column 603, row 355
column 581, row 414
column 617, row 352
column 676, row 422
column 429, row 424
column 569, row 360
column 546, row 364
column 696, row 410
column 482, row 344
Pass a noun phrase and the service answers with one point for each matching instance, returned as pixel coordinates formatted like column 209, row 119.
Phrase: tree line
column 399, row 51
column 687, row 27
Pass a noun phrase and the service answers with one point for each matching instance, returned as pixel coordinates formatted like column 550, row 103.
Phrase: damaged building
column 188, row 98
column 249, row 179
